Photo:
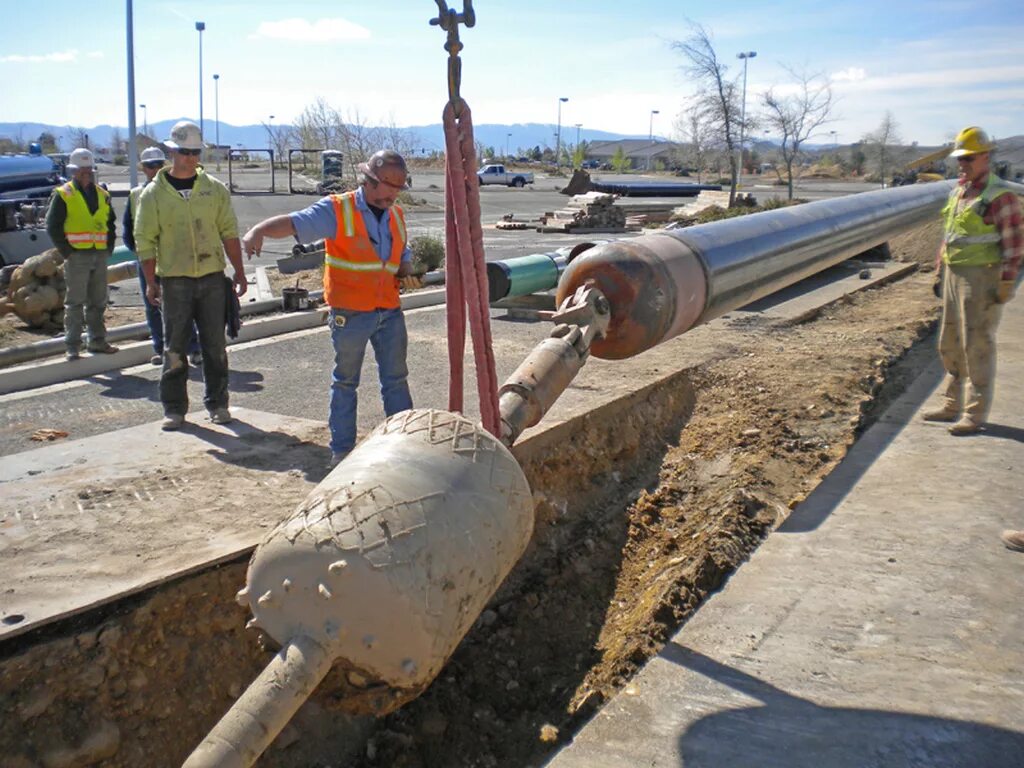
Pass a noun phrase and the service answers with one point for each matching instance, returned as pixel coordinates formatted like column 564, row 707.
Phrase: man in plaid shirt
column 981, row 252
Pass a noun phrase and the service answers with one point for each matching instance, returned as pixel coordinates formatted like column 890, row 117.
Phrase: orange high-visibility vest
column 85, row 230
column 355, row 277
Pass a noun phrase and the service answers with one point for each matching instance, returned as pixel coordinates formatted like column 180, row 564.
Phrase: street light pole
column 216, row 107
column 577, row 147
column 743, row 110
column 558, row 134
column 200, row 26
column 145, row 119
column 650, row 136
column 835, row 140
column 270, row 131
column 507, row 137
column 133, row 171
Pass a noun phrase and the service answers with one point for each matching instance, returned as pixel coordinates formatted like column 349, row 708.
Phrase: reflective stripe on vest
column 85, row 230
column 968, row 239
column 348, row 226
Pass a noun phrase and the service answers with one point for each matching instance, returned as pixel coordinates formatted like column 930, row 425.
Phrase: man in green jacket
column 80, row 222
column 184, row 226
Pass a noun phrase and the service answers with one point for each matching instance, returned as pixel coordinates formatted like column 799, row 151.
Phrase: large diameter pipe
column 661, row 285
column 382, row 569
column 523, row 275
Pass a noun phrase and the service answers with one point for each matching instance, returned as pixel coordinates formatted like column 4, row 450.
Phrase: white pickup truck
column 496, row 174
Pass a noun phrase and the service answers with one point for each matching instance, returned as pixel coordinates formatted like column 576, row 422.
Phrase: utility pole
column 133, row 170
column 200, row 26
column 558, row 133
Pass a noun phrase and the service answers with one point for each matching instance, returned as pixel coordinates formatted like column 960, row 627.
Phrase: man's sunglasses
column 153, row 164
column 190, row 152
column 966, row 159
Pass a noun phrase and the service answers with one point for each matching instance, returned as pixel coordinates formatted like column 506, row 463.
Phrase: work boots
column 968, row 425
column 945, row 413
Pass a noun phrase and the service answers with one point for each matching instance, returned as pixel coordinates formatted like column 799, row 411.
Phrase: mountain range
column 425, row 138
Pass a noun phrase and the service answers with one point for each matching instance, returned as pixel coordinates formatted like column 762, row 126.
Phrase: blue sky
column 936, row 65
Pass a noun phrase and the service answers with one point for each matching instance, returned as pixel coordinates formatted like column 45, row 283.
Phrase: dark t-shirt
column 184, row 186
column 378, row 212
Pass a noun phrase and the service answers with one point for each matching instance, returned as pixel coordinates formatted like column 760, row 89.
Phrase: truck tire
column 518, row 181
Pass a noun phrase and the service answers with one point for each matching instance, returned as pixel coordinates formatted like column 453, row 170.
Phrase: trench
column 643, row 508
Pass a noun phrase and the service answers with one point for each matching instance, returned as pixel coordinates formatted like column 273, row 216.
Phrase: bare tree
column 718, row 97
column 881, row 142
column 319, row 126
column 796, row 117
column 699, row 137
column 78, row 137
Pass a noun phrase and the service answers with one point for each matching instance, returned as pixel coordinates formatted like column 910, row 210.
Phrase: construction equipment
column 581, row 183
column 26, row 182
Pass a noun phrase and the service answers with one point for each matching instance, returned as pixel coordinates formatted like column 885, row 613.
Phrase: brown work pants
column 967, row 341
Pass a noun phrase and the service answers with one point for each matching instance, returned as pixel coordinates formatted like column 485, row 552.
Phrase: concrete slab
column 880, row 625
column 119, row 512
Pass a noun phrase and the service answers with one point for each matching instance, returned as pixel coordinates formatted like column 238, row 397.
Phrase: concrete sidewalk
column 880, row 625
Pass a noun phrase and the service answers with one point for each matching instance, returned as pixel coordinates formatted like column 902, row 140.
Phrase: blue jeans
column 200, row 301
column 350, row 330
column 155, row 321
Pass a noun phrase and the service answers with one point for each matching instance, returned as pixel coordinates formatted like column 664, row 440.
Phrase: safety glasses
column 189, row 152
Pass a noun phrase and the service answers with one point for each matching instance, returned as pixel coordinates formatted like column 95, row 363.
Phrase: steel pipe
column 523, row 275
column 661, row 285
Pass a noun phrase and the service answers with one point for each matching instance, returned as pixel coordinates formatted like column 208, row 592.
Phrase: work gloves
column 410, row 282
column 1005, row 291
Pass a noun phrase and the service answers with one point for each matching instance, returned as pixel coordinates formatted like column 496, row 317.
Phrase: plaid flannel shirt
column 1005, row 214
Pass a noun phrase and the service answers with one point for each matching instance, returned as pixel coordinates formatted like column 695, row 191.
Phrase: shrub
column 427, row 253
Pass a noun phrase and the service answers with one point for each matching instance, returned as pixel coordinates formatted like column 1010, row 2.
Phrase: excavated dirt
column 642, row 511
column 589, row 605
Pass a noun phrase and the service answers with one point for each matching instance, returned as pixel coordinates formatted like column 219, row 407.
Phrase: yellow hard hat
column 971, row 141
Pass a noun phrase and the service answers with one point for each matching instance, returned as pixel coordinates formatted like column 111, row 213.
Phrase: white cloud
column 850, row 74
column 319, row 31
column 59, row 57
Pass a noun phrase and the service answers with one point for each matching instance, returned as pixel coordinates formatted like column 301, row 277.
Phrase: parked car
column 495, row 173
column 590, row 164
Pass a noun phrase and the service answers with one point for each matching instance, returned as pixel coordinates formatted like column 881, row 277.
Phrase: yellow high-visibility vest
column 85, row 230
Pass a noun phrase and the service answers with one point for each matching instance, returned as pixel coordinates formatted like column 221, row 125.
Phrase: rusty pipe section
column 661, row 285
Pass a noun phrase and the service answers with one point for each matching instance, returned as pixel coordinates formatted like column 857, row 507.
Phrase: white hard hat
column 79, row 158
column 185, row 135
column 153, row 155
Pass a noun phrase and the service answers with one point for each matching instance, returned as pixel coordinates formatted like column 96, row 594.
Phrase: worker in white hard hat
column 184, row 227
column 81, row 223
column 981, row 255
column 150, row 162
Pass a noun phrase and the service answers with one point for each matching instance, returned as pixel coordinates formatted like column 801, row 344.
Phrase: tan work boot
column 966, row 426
column 945, row 413
column 1013, row 540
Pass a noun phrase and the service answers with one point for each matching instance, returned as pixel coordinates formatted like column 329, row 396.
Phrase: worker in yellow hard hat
column 981, row 253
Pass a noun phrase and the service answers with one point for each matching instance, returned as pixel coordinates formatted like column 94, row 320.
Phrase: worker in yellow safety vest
column 366, row 260
column 81, row 223
column 981, row 254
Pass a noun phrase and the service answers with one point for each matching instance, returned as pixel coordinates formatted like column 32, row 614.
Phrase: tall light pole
column 133, row 171
column 145, row 119
column 835, row 140
column 200, row 26
column 558, row 133
column 650, row 136
column 270, row 131
column 743, row 110
column 577, row 147
column 507, row 137
column 216, row 108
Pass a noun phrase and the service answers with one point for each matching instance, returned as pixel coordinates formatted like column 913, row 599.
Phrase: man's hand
column 153, row 293
column 1005, row 291
column 410, row 282
column 252, row 242
column 241, row 284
